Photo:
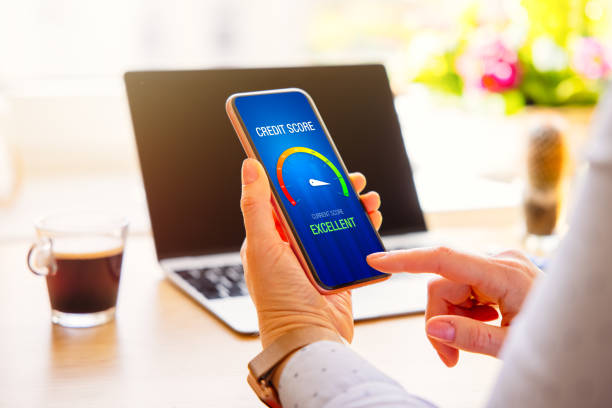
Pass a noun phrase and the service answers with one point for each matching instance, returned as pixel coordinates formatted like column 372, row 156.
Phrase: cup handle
column 40, row 258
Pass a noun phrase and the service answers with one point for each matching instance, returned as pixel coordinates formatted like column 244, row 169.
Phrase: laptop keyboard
column 217, row 282
column 222, row 281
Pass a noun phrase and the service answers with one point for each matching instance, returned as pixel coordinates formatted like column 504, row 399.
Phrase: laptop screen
column 190, row 156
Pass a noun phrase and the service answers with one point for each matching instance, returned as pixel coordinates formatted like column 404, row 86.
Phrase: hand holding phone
column 327, row 226
column 283, row 295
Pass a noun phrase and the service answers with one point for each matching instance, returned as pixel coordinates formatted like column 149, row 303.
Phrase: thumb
column 466, row 334
column 255, row 203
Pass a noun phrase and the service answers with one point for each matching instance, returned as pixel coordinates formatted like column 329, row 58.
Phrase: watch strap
column 262, row 366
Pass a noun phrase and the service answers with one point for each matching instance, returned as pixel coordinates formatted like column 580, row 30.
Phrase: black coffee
column 85, row 282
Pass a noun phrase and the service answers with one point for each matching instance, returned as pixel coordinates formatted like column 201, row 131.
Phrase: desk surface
column 164, row 350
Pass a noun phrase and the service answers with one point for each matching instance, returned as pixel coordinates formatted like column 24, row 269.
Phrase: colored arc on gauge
column 298, row 149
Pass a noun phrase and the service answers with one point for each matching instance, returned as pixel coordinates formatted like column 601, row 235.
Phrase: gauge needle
column 316, row 183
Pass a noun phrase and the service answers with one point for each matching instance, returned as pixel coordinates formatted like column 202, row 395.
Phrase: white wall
column 71, row 127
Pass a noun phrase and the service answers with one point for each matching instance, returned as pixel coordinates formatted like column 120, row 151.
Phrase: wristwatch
column 261, row 368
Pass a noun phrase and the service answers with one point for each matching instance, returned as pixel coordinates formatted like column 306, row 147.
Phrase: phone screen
column 312, row 186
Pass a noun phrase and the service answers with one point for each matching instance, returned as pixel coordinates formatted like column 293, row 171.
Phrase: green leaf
column 514, row 101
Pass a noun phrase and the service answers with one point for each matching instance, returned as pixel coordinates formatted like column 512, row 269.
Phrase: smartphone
column 314, row 200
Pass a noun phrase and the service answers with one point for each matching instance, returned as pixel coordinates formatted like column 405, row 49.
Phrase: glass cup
column 80, row 254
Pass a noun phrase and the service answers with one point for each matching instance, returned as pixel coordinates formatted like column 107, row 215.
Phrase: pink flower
column 590, row 58
column 490, row 65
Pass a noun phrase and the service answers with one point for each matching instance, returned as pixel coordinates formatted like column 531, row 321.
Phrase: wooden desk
column 166, row 351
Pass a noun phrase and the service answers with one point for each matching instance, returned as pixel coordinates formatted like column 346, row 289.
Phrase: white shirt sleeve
column 558, row 352
column 330, row 375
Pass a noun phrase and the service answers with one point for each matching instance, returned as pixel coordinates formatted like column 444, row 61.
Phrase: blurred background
column 471, row 79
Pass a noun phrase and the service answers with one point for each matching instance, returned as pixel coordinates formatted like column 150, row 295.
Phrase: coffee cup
column 80, row 255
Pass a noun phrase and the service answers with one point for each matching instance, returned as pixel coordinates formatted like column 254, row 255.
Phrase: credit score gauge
column 318, row 177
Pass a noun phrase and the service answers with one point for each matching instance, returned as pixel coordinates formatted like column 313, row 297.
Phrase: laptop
column 190, row 160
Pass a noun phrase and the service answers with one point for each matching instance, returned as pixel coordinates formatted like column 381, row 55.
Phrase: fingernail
column 376, row 255
column 441, row 330
column 249, row 172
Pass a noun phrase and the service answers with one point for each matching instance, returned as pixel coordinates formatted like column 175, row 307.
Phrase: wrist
column 272, row 328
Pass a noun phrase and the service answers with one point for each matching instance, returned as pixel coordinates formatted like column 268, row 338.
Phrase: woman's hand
column 463, row 297
column 283, row 295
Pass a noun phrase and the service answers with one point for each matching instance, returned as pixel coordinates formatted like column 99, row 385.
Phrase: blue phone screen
column 312, row 185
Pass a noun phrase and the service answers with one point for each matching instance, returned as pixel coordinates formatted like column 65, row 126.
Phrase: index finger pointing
column 457, row 266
